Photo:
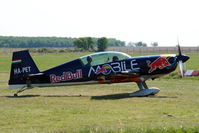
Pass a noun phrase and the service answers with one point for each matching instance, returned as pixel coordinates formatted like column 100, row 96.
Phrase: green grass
column 99, row 108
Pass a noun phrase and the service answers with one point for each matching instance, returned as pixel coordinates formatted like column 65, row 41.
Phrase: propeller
column 181, row 59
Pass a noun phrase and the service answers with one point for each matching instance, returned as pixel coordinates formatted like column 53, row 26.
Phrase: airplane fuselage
column 76, row 73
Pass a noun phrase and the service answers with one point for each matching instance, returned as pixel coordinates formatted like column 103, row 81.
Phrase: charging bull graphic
column 160, row 63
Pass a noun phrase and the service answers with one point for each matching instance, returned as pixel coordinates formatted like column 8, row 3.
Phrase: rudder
column 22, row 65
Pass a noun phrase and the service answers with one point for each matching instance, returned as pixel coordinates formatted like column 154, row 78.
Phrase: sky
column 149, row 21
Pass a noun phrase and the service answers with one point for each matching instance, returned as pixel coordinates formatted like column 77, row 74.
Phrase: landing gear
column 19, row 91
column 144, row 90
column 28, row 82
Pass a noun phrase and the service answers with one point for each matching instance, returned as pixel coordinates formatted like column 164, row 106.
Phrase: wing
column 135, row 72
column 123, row 76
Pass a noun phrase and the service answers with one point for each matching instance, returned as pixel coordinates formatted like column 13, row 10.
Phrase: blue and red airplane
column 98, row 68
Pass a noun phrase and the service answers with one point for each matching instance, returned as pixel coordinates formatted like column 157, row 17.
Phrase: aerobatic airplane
column 98, row 68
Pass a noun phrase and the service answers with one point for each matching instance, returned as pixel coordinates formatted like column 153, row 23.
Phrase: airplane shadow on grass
column 102, row 97
column 30, row 96
column 22, row 96
column 123, row 96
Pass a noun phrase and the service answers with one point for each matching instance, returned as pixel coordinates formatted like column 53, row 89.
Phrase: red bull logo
column 101, row 70
column 105, row 69
column 160, row 63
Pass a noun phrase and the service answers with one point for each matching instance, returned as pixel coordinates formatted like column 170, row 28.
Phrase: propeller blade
column 179, row 50
column 181, row 68
column 181, row 59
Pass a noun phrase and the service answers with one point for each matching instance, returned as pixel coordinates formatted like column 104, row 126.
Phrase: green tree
column 84, row 43
column 115, row 43
column 140, row 44
column 154, row 44
column 102, row 44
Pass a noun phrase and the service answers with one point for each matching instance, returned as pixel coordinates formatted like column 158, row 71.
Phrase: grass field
column 99, row 108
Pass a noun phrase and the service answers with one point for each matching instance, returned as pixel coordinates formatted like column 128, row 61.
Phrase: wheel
column 15, row 95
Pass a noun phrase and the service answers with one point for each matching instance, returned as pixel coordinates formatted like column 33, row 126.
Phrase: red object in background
column 191, row 73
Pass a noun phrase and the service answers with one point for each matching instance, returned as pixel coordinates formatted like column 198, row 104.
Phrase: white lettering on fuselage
column 22, row 70
column 134, row 64
column 114, row 67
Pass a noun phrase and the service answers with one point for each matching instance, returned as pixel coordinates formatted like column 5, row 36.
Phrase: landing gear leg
column 28, row 82
column 142, row 85
column 19, row 91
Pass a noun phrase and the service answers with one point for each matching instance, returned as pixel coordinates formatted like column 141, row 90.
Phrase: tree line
column 38, row 42
column 141, row 44
column 86, row 44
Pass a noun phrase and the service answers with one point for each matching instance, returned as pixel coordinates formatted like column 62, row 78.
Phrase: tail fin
column 22, row 65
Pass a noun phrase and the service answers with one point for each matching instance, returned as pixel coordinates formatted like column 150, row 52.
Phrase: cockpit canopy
column 103, row 57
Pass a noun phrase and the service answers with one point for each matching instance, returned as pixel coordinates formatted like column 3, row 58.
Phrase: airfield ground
column 99, row 108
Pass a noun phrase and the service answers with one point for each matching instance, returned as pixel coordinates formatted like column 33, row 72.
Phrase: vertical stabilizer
column 21, row 66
